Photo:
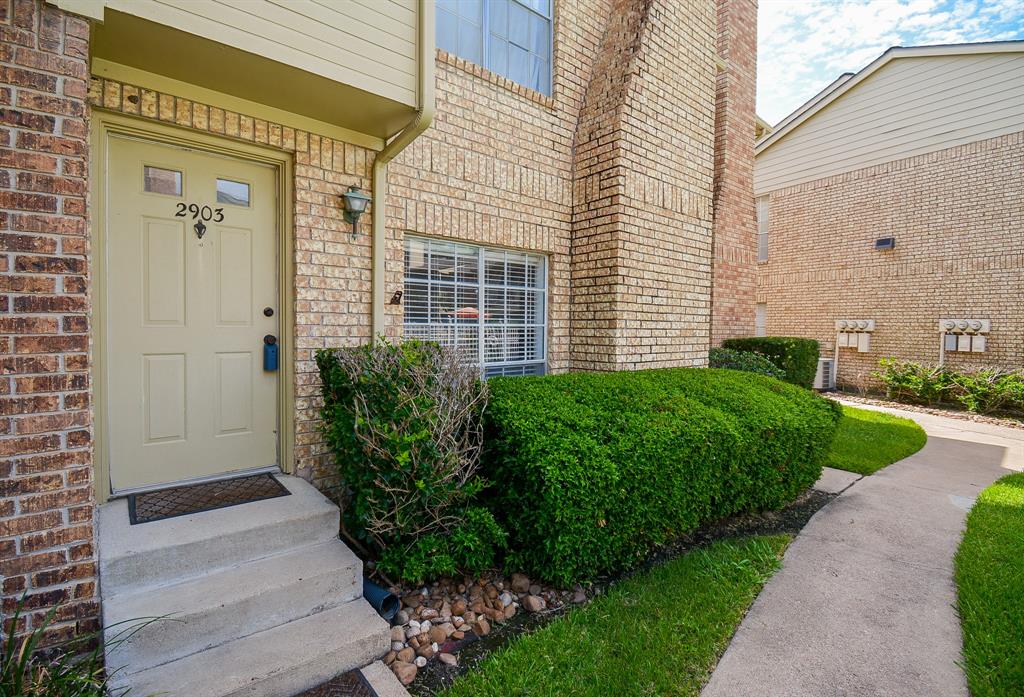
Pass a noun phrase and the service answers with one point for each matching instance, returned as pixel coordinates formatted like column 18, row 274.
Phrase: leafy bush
column 913, row 383
column 746, row 361
column 989, row 390
column 597, row 468
column 981, row 391
column 404, row 424
column 797, row 357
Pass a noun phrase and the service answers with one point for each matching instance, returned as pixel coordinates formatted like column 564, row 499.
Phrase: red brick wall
column 46, row 496
column 735, row 246
column 958, row 219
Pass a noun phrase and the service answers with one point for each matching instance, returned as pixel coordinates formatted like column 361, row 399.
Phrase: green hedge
column 797, row 357
column 591, row 470
column 746, row 361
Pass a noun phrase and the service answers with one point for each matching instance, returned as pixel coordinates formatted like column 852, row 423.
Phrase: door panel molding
column 106, row 125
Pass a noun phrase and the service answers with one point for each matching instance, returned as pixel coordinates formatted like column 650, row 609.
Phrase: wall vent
column 885, row 243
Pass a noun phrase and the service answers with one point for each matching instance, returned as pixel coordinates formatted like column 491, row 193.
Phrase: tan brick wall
column 957, row 216
column 735, row 247
column 641, row 259
column 46, row 489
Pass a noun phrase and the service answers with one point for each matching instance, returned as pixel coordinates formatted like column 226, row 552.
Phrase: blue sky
column 805, row 44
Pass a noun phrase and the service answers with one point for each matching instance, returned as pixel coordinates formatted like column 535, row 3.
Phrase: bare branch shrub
column 405, row 424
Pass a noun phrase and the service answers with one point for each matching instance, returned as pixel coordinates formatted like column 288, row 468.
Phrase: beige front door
column 191, row 247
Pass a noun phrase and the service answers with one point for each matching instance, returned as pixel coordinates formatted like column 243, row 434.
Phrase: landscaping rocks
column 533, row 603
column 436, row 621
column 405, row 672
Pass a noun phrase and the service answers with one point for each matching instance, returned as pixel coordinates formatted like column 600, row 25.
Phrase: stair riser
column 129, row 572
column 187, row 632
column 299, row 678
column 278, row 662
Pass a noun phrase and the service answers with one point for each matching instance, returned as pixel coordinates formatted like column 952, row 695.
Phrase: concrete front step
column 230, row 603
column 133, row 557
column 276, row 662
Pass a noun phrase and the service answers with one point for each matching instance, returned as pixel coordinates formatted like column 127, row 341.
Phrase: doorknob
column 268, row 312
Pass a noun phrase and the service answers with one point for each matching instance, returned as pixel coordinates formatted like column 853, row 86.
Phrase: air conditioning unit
column 825, row 378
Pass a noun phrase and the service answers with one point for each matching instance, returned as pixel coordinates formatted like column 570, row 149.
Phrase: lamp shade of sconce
column 355, row 203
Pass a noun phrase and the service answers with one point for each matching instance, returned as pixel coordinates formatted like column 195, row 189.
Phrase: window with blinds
column 491, row 304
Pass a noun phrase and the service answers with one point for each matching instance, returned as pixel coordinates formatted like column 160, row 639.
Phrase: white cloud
column 805, row 44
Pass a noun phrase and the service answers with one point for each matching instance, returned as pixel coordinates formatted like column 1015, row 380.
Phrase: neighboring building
column 897, row 195
column 171, row 195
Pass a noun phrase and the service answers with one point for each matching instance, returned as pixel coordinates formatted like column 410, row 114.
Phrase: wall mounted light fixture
column 355, row 202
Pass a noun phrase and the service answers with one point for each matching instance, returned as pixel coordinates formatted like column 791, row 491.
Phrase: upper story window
column 508, row 37
column 489, row 303
column 762, row 228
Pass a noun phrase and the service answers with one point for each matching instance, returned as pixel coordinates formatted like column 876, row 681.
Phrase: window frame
column 482, row 286
column 761, row 319
column 763, row 212
column 485, row 30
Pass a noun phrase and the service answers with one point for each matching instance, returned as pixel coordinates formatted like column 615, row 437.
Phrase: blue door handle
column 270, row 353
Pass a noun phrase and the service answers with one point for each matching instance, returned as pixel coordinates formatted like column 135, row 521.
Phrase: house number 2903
column 200, row 212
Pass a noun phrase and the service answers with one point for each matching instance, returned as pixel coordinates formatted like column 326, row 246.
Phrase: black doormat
column 196, row 498
column 350, row 684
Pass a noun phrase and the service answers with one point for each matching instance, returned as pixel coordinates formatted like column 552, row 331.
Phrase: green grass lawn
column 869, row 440
column 990, row 589
column 658, row 633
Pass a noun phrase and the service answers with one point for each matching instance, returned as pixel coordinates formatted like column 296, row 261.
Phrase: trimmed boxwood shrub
column 592, row 470
column 746, row 361
column 797, row 357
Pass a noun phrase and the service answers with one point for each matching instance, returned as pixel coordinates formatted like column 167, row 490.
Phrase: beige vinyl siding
column 911, row 106
column 369, row 44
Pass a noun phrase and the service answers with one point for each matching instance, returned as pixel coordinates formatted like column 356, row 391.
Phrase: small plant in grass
column 71, row 668
column 747, row 361
column 404, row 423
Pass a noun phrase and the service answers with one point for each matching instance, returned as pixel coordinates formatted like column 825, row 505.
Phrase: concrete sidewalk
column 865, row 602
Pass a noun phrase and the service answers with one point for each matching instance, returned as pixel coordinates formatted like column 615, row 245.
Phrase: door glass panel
column 157, row 180
column 232, row 193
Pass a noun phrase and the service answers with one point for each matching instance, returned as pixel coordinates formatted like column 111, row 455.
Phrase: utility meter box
column 863, row 342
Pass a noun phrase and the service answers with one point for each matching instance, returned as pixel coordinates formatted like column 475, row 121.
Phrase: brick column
column 641, row 242
column 46, row 496
column 735, row 247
